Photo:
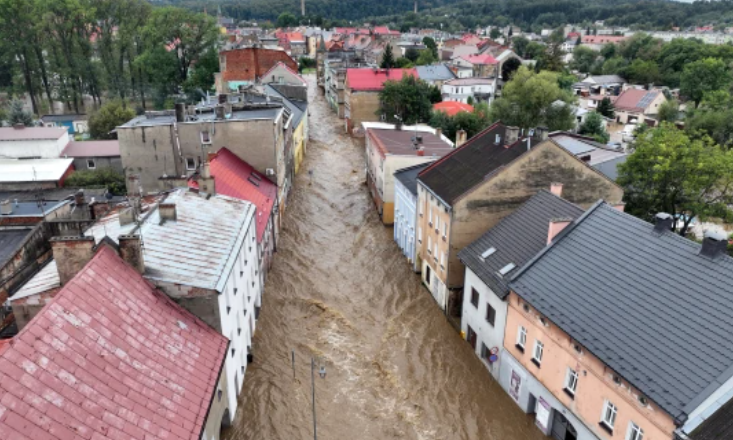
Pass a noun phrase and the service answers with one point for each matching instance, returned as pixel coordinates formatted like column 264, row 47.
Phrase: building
column 492, row 259
column 601, row 85
column 638, row 106
column 113, row 357
column 74, row 123
column 91, row 155
column 405, row 211
column 334, row 78
column 452, row 108
column 603, row 158
column 281, row 73
column 435, row 75
column 470, row 89
column 390, row 148
column 22, row 142
column 34, row 174
column 298, row 109
column 471, row 189
column 361, row 97
column 596, row 42
column 246, row 66
column 609, row 330
column 483, row 65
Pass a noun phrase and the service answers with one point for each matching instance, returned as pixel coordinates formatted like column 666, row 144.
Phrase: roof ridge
column 465, row 144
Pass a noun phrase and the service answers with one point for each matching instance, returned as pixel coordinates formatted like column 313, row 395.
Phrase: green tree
column 527, row 99
column 669, row 111
column 387, row 57
column 714, row 118
column 605, row 108
column 202, row 77
column 583, row 59
column 430, row 44
column 409, row 99
column 472, row 122
column 704, row 76
column 534, row 50
column 108, row 178
column 614, row 66
column 110, row 116
column 642, row 72
column 426, row 58
column 670, row 172
column 594, row 126
column 608, row 51
column 286, row 19
column 403, row 63
column 412, row 54
column 494, row 33
column 520, row 44
column 17, row 115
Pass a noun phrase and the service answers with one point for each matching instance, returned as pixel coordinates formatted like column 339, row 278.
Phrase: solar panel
column 647, row 99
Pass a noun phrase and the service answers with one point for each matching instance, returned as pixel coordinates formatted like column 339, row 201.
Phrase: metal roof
column 515, row 239
column 31, row 133
column 29, row 170
column 92, row 149
column 31, row 208
column 44, row 280
column 647, row 304
column 408, row 176
column 434, row 73
column 10, row 239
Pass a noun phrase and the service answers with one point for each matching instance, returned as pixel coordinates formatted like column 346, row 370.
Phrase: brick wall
column 250, row 63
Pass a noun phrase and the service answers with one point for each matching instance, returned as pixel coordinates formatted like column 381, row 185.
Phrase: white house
column 478, row 89
column 405, row 211
column 492, row 259
column 32, row 142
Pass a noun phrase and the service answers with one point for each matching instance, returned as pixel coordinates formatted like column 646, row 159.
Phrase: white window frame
column 205, row 139
column 634, row 432
column 608, row 416
column 93, row 162
column 442, row 260
column 419, row 234
column 538, row 351
column 445, row 229
column 521, row 336
column 571, row 381
column 435, row 253
column 430, row 245
column 188, row 168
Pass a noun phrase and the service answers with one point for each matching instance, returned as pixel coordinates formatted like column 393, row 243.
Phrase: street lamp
column 322, row 375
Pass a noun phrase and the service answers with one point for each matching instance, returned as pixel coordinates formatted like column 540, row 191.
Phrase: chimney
column 556, row 226
column 79, row 198
column 620, row 206
column 227, row 110
column 556, row 189
column 131, row 250
column 460, row 137
column 223, row 98
column 71, row 255
column 220, row 112
column 180, row 112
column 167, row 211
column 541, row 133
column 126, row 216
column 421, row 151
column 439, row 133
column 663, row 222
column 714, row 244
column 512, row 134
column 5, row 207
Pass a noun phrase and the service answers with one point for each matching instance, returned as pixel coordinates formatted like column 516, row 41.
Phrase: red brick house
column 245, row 66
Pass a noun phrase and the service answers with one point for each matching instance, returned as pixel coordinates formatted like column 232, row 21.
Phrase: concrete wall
column 25, row 309
column 404, row 223
column 595, row 381
column 148, row 153
column 80, row 163
column 360, row 107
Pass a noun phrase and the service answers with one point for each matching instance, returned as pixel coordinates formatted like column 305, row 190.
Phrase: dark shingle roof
column 517, row 238
column 408, row 176
column 717, row 426
column 646, row 304
column 9, row 242
column 468, row 165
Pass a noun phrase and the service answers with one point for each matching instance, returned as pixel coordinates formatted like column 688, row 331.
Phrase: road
column 341, row 290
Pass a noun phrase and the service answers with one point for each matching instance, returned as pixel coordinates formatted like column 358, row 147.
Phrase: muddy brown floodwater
column 340, row 289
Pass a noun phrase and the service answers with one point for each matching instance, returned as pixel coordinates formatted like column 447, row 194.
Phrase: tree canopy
column 107, row 118
column 410, row 99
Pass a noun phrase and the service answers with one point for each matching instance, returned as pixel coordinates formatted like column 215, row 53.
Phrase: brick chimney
column 556, row 226
column 421, row 151
column 79, row 198
column 556, row 189
column 71, row 255
column 167, row 211
column 541, row 133
column 131, row 250
column 512, row 135
column 460, row 138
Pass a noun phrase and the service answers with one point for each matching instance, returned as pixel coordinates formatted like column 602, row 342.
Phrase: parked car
column 627, row 134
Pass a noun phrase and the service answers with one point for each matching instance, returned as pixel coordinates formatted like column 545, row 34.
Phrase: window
column 445, row 229
column 488, row 252
column 91, row 164
column 474, row 297
column 571, row 382
column 437, row 223
column 539, row 348
column 490, row 314
column 435, row 254
column 190, row 163
column 430, row 216
column 608, row 417
column 430, row 245
column 442, row 260
column 635, row 432
column 521, row 338
column 506, row 269
column 419, row 234
column 485, row 352
column 205, row 137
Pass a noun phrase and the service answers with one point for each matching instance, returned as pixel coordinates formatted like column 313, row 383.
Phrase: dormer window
column 205, row 137
column 506, row 269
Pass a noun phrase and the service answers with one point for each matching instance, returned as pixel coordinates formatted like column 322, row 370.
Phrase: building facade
column 405, row 212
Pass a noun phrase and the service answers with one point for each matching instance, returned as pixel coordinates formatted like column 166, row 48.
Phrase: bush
column 107, row 118
column 108, row 178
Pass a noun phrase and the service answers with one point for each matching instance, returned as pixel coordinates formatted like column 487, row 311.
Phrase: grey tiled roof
column 408, row 176
column 647, row 304
column 435, row 72
column 517, row 238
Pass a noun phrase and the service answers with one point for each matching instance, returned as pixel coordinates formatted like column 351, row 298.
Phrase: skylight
column 488, row 252
column 506, row 269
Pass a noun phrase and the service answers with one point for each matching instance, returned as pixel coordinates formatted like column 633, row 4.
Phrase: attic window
column 490, row 251
column 497, row 140
column 506, row 269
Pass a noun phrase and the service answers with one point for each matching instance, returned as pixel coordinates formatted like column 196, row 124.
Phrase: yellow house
column 300, row 140
column 295, row 99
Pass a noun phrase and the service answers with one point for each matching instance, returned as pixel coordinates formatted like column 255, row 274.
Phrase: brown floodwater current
column 340, row 289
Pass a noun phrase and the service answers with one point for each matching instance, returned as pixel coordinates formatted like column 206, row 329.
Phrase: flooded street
column 340, row 289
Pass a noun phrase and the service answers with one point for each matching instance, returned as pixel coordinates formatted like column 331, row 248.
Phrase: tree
column 520, row 44
column 669, row 111
column 614, row 66
column 670, row 172
column 594, row 126
column 403, row 63
column 534, row 50
column 202, row 77
column 605, row 108
column 109, row 178
column 430, row 44
column 509, row 67
column 472, row 122
column 17, row 115
column 286, row 19
column 527, row 98
column 608, row 51
column 110, row 116
column 387, row 57
column 426, row 58
column 642, row 72
column 412, row 54
column 704, row 76
column 583, row 59
column 409, row 99
column 494, row 33
column 714, row 118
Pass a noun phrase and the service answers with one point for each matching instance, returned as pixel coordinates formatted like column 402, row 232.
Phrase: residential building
column 470, row 89
column 405, row 211
column 113, row 357
column 491, row 261
column 435, row 75
column 92, row 155
column 389, row 148
column 471, row 189
column 297, row 45
column 20, row 142
column 361, row 97
column 281, row 73
column 34, row 174
column 609, row 330
column 638, row 106
column 245, row 66
column 603, row 158
column 452, row 108
column 74, row 123
column 596, row 42
column 483, row 65
column 603, row 85
column 334, row 84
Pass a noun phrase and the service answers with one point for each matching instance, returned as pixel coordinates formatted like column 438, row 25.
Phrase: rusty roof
column 400, row 142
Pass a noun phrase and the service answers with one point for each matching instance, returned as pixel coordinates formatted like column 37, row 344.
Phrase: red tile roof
column 635, row 99
column 92, row 149
column 236, row 178
column 480, row 59
column 451, row 108
column 110, row 357
column 30, row 133
column 295, row 37
column 374, row 79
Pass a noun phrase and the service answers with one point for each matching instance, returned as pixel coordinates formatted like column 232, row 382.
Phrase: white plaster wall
column 404, row 222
